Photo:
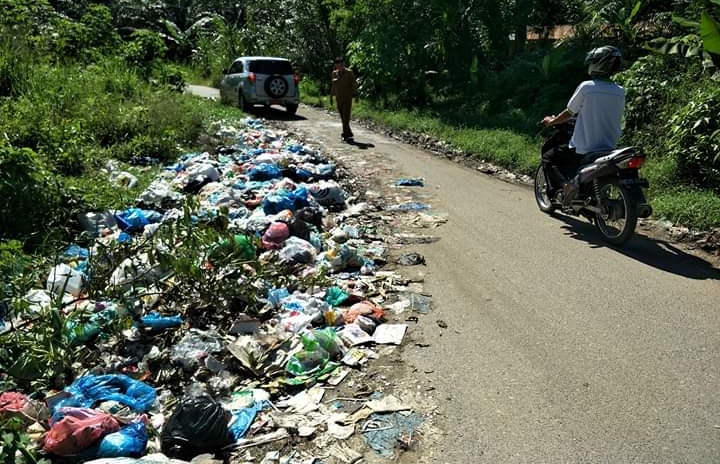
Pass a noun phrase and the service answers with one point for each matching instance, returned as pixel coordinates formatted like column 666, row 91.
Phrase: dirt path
column 545, row 345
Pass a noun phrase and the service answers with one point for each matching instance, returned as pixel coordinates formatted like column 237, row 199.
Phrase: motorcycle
column 610, row 193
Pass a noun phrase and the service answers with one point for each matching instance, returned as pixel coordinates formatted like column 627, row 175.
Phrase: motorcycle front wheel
column 542, row 198
column 618, row 215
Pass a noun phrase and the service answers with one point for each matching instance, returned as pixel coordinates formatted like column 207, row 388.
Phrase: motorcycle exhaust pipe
column 594, row 171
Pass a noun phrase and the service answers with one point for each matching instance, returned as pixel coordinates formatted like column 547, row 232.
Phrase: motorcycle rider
column 597, row 106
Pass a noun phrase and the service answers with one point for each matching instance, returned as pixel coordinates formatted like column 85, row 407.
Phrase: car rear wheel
column 276, row 86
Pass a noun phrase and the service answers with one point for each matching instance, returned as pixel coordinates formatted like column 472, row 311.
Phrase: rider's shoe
column 570, row 190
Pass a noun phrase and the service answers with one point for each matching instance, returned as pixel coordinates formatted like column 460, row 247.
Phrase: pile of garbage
column 236, row 375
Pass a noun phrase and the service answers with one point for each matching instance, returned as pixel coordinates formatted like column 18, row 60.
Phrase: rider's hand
column 547, row 120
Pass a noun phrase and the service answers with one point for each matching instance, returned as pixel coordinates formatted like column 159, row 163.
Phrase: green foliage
column 144, row 51
column 16, row 446
column 653, row 83
column 30, row 191
column 702, row 43
column 695, row 136
column 699, row 209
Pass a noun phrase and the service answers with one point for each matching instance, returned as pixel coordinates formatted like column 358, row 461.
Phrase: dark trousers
column 560, row 163
column 344, row 106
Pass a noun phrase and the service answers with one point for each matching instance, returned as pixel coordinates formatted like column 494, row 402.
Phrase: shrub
column 144, row 51
column 695, row 136
column 33, row 196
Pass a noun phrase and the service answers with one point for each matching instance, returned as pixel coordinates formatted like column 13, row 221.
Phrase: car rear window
column 270, row 67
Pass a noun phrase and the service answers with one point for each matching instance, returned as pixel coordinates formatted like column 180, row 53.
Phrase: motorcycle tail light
column 636, row 163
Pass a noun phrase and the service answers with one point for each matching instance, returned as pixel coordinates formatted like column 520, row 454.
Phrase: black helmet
column 603, row 61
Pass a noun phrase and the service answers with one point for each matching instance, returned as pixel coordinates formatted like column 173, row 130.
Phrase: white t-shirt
column 599, row 106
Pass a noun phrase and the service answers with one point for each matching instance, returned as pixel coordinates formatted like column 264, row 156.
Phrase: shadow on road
column 275, row 114
column 658, row 254
column 360, row 145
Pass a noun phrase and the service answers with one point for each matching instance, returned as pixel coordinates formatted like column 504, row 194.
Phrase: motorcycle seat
column 606, row 156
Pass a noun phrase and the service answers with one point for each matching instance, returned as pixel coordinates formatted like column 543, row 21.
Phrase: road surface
column 558, row 348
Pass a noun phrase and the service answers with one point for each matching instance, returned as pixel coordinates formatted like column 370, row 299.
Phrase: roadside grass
column 73, row 119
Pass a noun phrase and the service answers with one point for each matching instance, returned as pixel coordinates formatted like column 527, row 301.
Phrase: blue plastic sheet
column 285, row 199
column 264, row 171
column 243, row 419
column 91, row 389
column 157, row 321
column 129, row 441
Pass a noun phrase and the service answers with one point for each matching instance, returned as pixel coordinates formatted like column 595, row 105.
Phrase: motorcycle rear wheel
column 617, row 221
column 542, row 198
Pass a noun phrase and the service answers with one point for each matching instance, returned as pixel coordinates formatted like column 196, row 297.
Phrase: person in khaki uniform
column 344, row 86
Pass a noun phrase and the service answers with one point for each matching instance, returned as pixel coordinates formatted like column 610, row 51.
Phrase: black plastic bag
column 199, row 425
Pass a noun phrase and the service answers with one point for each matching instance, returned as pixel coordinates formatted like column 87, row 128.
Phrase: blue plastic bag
column 124, row 237
column 285, row 199
column 76, row 251
column 303, row 174
column 326, row 171
column 243, row 419
column 157, row 321
column 276, row 294
column 82, row 332
column 264, row 171
column 129, row 441
column 91, row 389
column 132, row 220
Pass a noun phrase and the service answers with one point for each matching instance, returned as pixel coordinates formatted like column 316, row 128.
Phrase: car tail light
column 636, row 163
column 252, row 78
column 296, row 78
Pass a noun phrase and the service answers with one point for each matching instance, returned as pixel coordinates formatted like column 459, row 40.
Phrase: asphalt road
column 558, row 348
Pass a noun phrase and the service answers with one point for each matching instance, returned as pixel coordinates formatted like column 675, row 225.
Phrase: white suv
column 261, row 80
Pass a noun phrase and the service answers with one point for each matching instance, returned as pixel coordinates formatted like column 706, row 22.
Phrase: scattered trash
column 390, row 333
column 156, row 321
column 411, row 259
column 194, row 347
column 86, row 391
column 198, row 425
column 384, row 432
column 411, row 206
column 205, row 370
column 64, row 279
column 412, row 239
column 130, row 441
column 77, row 430
column 410, row 183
